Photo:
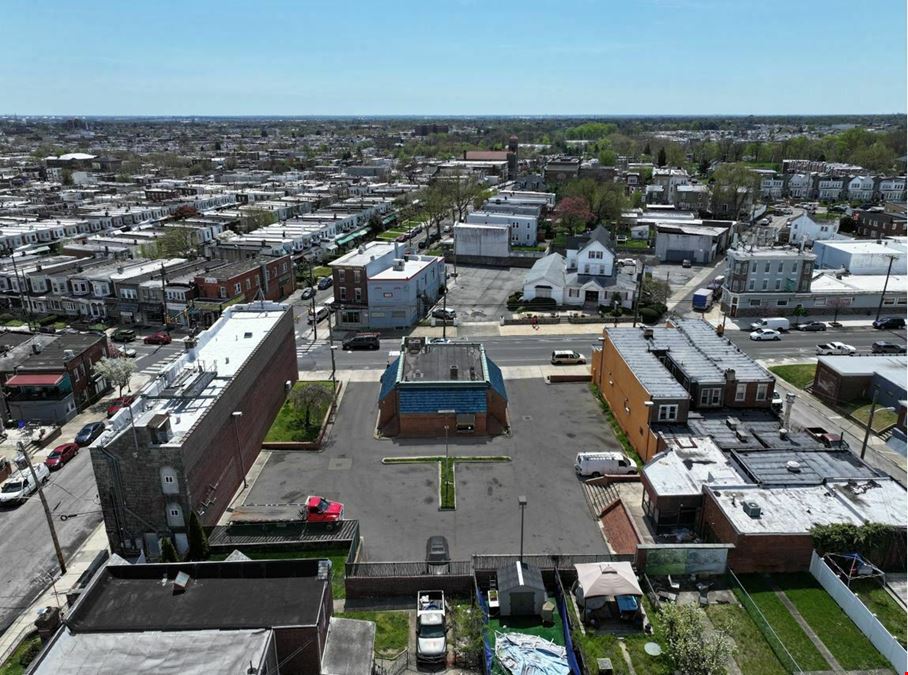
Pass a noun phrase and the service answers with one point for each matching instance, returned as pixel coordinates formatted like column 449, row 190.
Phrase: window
column 781, row 303
column 343, row 292
column 349, row 316
column 765, row 284
column 778, row 284
column 762, row 390
column 222, row 292
column 237, row 288
column 357, row 294
column 750, row 285
column 357, row 276
column 755, row 303
column 781, row 267
column 595, row 255
column 753, row 267
column 819, row 302
column 573, row 292
column 248, row 283
column 741, row 392
column 668, row 413
column 341, row 275
column 710, row 396
column 767, row 268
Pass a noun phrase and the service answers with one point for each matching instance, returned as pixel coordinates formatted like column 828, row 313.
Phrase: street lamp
column 873, row 410
column 444, row 485
column 879, row 308
column 333, row 349
column 236, row 414
column 522, row 501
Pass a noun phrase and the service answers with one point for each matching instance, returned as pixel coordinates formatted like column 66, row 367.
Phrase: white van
column 320, row 314
column 776, row 323
column 20, row 486
column 597, row 464
column 566, row 357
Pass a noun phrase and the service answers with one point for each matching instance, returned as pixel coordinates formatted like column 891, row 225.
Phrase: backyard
column 754, row 656
column 290, row 425
column 392, row 630
column 24, row 654
column 799, row 374
column 887, row 610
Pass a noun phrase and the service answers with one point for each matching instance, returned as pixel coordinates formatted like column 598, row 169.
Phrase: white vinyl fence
column 887, row 645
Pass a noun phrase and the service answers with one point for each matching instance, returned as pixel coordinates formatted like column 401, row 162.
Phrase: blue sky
column 455, row 57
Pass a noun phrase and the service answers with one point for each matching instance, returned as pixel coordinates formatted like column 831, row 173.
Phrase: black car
column 325, row 282
column 89, row 433
column 884, row 347
column 889, row 322
column 363, row 341
column 438, row 556
column 812, row 326
column 307, row 293
column 123, row 335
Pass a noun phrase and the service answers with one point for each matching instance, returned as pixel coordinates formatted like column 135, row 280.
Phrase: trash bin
column 548, row 613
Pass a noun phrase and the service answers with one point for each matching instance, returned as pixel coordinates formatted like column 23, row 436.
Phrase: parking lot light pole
column 236, row 414
column 444, row 472
column 873, row 411
column 522, row 501
column 885, row 286
column 333, row 349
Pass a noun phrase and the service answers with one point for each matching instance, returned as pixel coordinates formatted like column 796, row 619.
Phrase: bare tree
column 308, row 396
column 116, row 371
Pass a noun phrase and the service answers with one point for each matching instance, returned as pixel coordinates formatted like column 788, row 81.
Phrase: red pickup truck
column 321, row 510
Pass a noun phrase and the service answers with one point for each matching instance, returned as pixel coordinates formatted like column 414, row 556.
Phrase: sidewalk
column 55, row 595
column 714, row 316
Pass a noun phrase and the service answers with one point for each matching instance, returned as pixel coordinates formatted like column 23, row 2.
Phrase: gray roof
column 721, row 351
column 549, row 269
column 649, row 371
column 159, row 652
column 433, row 363
column 519, row 575
column 889, row 367
column 740, row 429
column 771, row 467
column 348, row 647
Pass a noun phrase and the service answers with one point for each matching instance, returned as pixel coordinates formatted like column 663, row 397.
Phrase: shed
column 521, row 591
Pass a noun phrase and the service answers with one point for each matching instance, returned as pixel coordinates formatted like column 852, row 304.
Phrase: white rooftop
column 687, row 465
column 412, row 266
column 866, row 283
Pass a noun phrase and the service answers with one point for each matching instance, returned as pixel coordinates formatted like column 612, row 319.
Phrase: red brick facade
column 619, row 530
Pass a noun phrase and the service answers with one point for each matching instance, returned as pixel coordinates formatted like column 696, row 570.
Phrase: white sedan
column 126, row 352
column 766, row 334
column 835, row 349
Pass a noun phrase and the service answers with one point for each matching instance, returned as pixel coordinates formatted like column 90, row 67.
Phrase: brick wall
column 304, row 638
column 433, row 425
column 619, row 531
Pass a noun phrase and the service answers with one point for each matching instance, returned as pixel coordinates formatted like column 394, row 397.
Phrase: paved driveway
column 397, row 505
column 481, row 293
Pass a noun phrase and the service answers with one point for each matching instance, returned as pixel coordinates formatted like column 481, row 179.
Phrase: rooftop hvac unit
column 731, row 422
column 793, row 466
column 752, row 509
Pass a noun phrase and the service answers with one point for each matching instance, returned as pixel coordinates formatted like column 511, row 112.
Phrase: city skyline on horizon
column 667, row 58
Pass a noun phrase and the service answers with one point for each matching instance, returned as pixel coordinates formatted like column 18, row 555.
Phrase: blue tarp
column 627, row 603
column 530, row 655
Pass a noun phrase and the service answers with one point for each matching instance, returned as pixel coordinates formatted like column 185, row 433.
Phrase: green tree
column 168, row 552
column 646, row 149
column 692, row 649
column 198, row 540
column 253, row 219
column 303, row 398
column 467, row 630
column 732, row 186
column 573, row 213
column 175, row 242
column 661, row 160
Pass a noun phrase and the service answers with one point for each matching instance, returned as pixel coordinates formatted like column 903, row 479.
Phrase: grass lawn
column 321, row 271
column 643, row 662
column 878, row 601
column 754, row 655
column 448, row 487
column 392, row 629
column 290, row 424
column 850, row 647
column 882, row 419
column 337, row 556
column 23, row 655
column 782, row 622
column 633, row 244
column 12, row 323
column 799, row 374
column 595, row 645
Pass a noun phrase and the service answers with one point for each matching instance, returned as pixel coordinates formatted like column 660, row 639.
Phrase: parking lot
column 397, row 506
column 481, row 293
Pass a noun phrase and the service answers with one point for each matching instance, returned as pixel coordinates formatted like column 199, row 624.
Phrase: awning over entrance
column 37, row 380
column 340, row 241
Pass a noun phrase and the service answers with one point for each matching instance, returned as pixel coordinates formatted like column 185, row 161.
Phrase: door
column 522, row 603
column 591, row 296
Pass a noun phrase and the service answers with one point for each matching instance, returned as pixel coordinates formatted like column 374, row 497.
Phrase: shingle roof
column 432, row 399
column 550, row 269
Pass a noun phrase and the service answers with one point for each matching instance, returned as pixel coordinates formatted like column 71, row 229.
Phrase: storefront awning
column 39, row 380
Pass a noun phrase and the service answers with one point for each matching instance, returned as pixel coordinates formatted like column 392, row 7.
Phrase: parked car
column 126, row 352
column 320, row 314
column 159, row 338
column 325, row 282
column 438, row 556
column 61, row 455
column 830, row 440
column 778, row 402
column 883, row 347
column 440, row 341
column 567, row 357
column 889, row 322
column 363, row 341
column 716, row 283
column 621, row 262
column 123, row 335
column 321, row 510
column 119, row 403
column 812, row 326
column 835, row 348
column 595, row 464
column 89, row 433
column 448, row 314
column 20, row 486
column 307, row 293
column 764, row 334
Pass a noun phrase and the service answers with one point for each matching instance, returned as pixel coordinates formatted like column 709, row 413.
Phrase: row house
column 241, row 281
column 892, row 189
column 831, row 187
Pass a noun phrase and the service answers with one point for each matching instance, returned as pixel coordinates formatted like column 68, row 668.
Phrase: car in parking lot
column 324, row 282
column 835, row 349
column 883, row 347
column 764, row 334
column 438, row 555
column 89, row 433
column 812, row 326
column 61, row 455
column 889, row 322
column 119, row 403
column 448, row 314
column 123, row 335
column 159, row 338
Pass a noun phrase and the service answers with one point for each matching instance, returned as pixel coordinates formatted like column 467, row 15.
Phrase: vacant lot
column 397, row 505
column 799, row 374
column 481, row 293
column 291, row 421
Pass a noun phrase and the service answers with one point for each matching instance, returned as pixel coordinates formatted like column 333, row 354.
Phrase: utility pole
column 163, row 295
column 885, row 286
column 444, row 320
column 47, row 514
column 522, row 501
column 638, row 293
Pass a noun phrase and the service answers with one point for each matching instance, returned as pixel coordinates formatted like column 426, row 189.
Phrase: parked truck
column 321, row 510
column 703, row 299
column 431, row 628
column 830, row 440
